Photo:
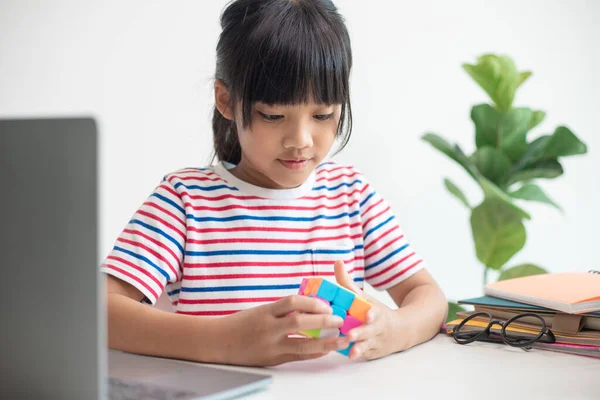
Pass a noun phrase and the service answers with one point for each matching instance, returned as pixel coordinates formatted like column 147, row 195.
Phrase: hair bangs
column 304, row 60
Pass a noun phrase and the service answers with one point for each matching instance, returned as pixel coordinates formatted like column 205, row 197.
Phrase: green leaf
column 533, row 192
column 490, row 190
column 536, row 118
column 453, row 189
column 498, row 76
column 498, row 233
column 513, row 132
column 506, row 132
column 542, row 170
column 450, row 150
column 521, row 270
column 492, row 164
column 563, row 143
column 486, row 73
column 453, row 309
column 486, row 121
column 534, row 153
column 523, row 76
column 508, row 83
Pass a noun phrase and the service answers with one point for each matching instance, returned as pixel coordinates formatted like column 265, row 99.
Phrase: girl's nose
column 299, row 138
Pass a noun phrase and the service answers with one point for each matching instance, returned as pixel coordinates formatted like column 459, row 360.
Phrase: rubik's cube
column 344, row 303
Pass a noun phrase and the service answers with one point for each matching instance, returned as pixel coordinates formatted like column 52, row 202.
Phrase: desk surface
column 439, row 369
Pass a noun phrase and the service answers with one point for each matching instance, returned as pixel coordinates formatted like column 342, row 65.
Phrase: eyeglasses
column 464, row 334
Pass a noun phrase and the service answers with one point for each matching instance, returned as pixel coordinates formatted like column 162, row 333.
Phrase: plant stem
column 485, row 273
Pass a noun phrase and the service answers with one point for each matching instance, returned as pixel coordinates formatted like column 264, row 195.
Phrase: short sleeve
column 148, row 253
column 389, row 257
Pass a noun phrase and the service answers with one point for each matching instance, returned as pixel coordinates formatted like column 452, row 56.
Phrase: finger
column 360, row 349
column 285, row 358
column 343, row 279
column 362, row 332
column 303, row 304
column 315, row 346
column 304, row 322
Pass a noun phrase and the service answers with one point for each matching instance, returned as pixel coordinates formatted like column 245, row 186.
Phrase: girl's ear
column 223, row 100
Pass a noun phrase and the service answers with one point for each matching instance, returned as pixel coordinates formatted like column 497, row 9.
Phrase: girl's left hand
column 378, row 335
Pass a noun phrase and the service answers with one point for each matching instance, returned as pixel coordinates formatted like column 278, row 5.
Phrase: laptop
column 52, row 296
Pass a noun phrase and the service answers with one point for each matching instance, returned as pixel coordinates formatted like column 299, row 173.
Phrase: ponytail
column 225, row 139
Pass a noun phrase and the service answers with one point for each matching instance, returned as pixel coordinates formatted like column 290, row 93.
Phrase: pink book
column 569, row 292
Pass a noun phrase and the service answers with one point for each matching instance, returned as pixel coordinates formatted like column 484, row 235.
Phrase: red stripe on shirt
column 229, row 301
column 371, row 207
column 326, row 178
column 265, row 240
column 260, row 276
column 149, row 250
column 391, row 266
column 135, row 278
column 375, row 216
column 292, row 208
column 368, row 256
column 169, row 213
column 398, row 274
column 271, row 228
column 266, row 263
column 156, row 242
column 208, row 313
column 377, row 239
column 324, row 171
column 162, row 221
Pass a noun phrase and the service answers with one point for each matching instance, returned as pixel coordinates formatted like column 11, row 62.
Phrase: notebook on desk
column 569, row 292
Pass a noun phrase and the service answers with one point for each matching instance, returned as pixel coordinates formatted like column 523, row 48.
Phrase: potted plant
column 507, row 164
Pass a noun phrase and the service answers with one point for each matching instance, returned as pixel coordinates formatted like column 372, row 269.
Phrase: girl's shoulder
column 332, row 171
column 196, row 174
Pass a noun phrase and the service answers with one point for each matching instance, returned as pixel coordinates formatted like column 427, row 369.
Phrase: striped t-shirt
column 218, row 245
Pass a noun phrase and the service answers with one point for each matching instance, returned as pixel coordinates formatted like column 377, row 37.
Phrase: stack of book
column 569, row 304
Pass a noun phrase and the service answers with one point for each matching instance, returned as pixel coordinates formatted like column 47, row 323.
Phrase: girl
column 230, row 243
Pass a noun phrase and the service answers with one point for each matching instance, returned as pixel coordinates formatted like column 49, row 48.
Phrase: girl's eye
column 324, row 117
column 270, row 118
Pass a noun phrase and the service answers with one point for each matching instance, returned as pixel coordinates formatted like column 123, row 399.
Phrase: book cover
column 569, row 292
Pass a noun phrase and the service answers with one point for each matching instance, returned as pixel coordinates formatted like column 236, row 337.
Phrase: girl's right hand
column 259, row 336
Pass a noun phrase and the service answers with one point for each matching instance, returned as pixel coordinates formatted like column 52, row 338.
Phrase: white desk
column 439, row 369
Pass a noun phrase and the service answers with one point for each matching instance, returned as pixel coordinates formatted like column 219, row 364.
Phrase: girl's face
column 284, row 144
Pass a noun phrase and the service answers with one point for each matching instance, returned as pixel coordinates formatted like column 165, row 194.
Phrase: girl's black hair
column 283, row 52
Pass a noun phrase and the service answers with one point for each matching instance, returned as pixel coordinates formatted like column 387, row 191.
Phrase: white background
column 144, row 70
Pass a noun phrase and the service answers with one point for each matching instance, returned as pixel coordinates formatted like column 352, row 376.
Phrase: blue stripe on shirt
column 362, row 203
column 205, row 188
column 368, row 233
column 146, row 260
column 169, row 201
column 255, row 218
column 270, row 252
column 242, row 288
column 159, row 231
column 384, row 259
column 338, row 186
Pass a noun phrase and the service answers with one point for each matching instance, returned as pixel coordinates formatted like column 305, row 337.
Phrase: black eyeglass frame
column 485, row 334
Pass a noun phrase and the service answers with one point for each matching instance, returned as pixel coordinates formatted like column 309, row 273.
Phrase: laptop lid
column 54, row 329
column 53, row 342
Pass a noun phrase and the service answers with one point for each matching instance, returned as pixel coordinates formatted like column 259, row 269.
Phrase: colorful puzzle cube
column 349, row 306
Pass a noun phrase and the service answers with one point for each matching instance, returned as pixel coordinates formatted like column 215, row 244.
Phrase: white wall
column 144, row 69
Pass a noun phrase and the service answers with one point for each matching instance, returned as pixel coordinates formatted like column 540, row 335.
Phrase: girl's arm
column 257, row 336
column 138, row 328
column 422, row 308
